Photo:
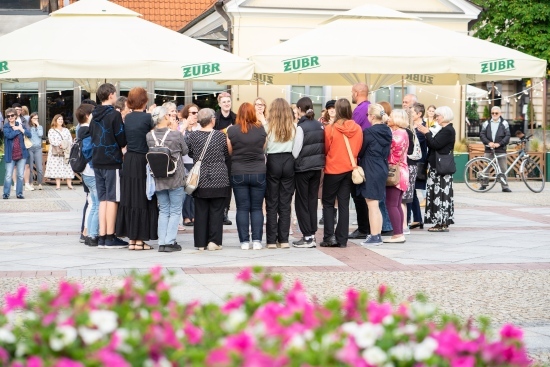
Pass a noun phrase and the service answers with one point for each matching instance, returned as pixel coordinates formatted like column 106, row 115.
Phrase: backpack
column 76, row 158
column 160, row 159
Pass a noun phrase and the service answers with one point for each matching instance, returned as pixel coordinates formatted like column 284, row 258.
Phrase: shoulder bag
column 192, row 181
column 417, row 152
column 393, row 175
column 357, row 175
column 28, row 142
column 57, row 150
column 445, row 163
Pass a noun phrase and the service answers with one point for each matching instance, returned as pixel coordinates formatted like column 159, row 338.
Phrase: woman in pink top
column 398, row 155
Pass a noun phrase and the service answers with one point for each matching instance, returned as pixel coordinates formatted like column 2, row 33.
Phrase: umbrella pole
column 257, row 87
column 544, row 107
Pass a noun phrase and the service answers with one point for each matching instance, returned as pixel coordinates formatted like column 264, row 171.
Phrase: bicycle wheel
column 532, row 175
column 480, row 174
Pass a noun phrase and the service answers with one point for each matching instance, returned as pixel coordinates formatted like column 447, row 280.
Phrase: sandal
column 142, row 247
column 438, row 228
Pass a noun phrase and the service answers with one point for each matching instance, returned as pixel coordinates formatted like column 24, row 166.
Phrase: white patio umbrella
column 475, row 92
column 380, row 46
column 95, row 40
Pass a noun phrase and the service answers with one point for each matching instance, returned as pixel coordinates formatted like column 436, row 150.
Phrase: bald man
column 360, row 97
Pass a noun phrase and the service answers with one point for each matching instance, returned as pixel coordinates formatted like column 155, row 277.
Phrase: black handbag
column 422, row 171
column 445, row 163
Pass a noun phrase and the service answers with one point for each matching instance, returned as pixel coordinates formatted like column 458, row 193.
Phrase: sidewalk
column 494, row 261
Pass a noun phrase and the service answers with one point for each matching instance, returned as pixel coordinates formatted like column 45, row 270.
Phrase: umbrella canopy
column 475, row 92
column 373, row 44
column 92, row 41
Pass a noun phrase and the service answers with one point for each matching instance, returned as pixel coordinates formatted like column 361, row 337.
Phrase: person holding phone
column 15, row 152
column 35, row 152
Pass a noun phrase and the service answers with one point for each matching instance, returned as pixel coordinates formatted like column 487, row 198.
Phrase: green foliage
column 518, row 24
column 471, row 111
column 486, row 113
column 531, row 114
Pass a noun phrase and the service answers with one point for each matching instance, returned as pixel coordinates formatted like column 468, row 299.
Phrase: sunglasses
column 495, row 113
column 9, row 116
column 193, row 113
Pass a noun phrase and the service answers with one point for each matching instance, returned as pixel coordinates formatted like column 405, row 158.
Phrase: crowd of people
column 265, row 155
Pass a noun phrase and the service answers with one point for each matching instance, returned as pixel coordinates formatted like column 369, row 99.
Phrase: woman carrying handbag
column 337, row 182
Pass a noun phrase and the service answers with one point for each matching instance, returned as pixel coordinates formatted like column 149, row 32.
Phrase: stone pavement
column 494, row 261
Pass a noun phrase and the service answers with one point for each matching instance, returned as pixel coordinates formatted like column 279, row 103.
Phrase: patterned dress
column 57, row 167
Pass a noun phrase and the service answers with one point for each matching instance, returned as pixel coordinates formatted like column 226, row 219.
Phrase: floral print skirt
column 440, row 208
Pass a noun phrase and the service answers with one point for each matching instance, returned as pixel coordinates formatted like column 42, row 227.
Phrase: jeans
column 170, row 203
column 278, row 199
column 20, row 166
column 93, row 215
column 503, row 163
column 386, row 223
column 338, row 186
column 414, row 207
column 249, row 193
column 188, row 211
column 35, row 158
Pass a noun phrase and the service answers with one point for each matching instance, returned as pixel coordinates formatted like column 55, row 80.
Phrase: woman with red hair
column 245, row 142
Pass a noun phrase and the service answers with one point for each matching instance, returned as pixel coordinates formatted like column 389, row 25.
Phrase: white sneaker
column 28, row 187
column 245, row 245
column 290, row 231
column 39, row 187
column 354, row 223
column 256, row 245
column 406, row 230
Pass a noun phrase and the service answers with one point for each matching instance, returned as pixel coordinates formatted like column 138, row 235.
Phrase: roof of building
column 172, row 14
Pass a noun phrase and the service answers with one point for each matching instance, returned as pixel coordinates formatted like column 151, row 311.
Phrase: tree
column 519, row 24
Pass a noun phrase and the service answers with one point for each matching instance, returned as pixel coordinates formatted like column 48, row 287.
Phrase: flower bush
column 141, row 325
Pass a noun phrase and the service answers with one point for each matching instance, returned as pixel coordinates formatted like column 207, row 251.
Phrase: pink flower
column 377, row 312
column 403, row 310
column 351, row 303
column 111, row 359
column 65, row 362
column 4, row 356
column 268, row 285
column 151, row 299
column 156, row 316
column 509, row 331
column 16, row 300
column 218, row 357
column 49, row 318
column 67, row 291
column 382, row 289
column 245, row 275
column 349, row 354
column 156, row 273
column 466, row 361
column 233, row 304
column 193, row 333
column 162, row 286
column 240, row 342
column 447, row 340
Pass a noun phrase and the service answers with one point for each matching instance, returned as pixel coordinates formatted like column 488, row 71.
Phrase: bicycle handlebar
column 525, row 139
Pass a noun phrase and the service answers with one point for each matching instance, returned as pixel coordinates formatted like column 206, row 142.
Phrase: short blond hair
column 400, row 118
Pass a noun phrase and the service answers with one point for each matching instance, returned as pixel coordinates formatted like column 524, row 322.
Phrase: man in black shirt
column 225, row 118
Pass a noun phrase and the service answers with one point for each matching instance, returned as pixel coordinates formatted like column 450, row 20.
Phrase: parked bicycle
column 481, row 173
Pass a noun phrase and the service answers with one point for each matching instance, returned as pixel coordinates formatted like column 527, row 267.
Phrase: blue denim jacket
column 9, row 136
column 36, row 136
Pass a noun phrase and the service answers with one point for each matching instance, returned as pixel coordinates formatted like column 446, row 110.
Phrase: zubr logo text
column 497, row 66
column 200, row 70
column 4, row 67
column 420, row 78
column 301, row 63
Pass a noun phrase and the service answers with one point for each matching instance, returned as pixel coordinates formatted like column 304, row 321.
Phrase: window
column 316, row 93
column 59, row 100
column 20, row 4
column 392, row 95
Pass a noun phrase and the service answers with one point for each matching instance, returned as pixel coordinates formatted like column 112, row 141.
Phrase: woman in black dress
column 137, row 217
column 439, row 190
column 373, row 158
